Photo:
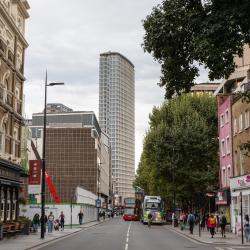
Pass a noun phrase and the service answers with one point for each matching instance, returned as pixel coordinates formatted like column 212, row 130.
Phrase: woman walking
column 61, row 219
column 247, row 227
column 212, row 224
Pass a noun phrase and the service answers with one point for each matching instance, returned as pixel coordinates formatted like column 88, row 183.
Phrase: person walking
column 61, row 220
column 36, row 222
column 191, row 221
column 80, row 216
column 247, row 227
column 203, row 222
column 212, row 224
column 50, row 222
column 223, row 223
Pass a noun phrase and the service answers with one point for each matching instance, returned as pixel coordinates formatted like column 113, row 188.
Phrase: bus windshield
column 129, row 211
column 152, row 205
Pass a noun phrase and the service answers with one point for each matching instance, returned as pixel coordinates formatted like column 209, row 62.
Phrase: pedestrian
column 36, row 222
column 80, row 216
column 191, row 221
column 247, row 227
column 61, row 220
column 50, row 222
column 212, row 224
column 207, row 217
column 103, row 215
column 223, row 223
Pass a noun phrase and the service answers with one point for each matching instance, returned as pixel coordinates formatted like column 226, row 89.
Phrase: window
column 227, row 116
column 228, row 145
column 228, row 174
column 223, row 175
column 223, row 147
column 222, row 120
column 240, row 123
column 2, row 205
column 241, row 162
column 246, row 119
column 235, row 126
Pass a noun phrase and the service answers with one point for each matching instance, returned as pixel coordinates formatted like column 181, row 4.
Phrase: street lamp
column 43, row 166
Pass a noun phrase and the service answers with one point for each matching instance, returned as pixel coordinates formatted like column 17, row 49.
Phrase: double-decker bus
column 155, row 206
column 129, row 209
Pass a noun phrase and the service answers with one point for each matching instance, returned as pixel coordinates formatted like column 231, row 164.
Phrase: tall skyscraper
column 117, row 117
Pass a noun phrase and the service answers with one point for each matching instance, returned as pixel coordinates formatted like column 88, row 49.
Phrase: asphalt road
column 119, row 235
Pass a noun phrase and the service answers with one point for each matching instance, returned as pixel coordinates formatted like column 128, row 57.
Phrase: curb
column 43, row 244
column 204, row 242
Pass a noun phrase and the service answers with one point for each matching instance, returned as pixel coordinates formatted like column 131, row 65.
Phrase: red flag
column 52, row 188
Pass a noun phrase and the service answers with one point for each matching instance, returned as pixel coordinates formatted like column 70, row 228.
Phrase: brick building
column 77, row 152
column 12, row 48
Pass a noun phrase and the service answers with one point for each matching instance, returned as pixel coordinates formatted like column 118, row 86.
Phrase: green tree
column 182, row 34
column 182, row 144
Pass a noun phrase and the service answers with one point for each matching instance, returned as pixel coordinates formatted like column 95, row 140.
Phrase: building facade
column 77, row 153
column 117, row 117
column 238, row 82
column 207, row 88
column 226, row 154
column 13, row 15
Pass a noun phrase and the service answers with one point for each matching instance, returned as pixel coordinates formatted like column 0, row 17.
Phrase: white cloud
column 66, row 37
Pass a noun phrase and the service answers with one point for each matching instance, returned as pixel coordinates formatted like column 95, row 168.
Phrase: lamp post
column 43, row 166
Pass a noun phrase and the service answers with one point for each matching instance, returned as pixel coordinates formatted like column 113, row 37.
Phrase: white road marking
column 219, row 248
column 127, row 239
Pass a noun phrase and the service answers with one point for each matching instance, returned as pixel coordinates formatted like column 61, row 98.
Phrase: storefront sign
column 35, row 172
column 240, row 182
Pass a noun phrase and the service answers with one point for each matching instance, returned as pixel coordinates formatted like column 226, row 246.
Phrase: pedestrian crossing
column 231, row 248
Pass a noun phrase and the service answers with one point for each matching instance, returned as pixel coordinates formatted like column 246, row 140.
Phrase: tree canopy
column 182, row 140
column 182, row 34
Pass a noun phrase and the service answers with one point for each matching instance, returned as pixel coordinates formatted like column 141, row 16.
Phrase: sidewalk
column 230, row 240
column 26, row 242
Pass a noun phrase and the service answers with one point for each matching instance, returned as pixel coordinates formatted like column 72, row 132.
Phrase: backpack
column 223, row 220
column 190, row 218
column 212, row 221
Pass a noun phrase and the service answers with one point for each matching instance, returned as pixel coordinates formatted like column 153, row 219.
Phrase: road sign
column 98, row 203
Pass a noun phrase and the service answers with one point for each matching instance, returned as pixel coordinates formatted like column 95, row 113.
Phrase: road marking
column 219, row 248
column 127, row 238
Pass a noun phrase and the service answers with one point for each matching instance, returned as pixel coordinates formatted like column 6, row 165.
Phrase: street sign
column 98, row 203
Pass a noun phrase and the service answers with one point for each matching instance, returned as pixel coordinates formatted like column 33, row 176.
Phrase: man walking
column 191, row 221
column 223, row 223
column 50, row 222
column 80, row 216
column 61, row 219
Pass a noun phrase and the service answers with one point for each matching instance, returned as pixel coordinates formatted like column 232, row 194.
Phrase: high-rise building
column 13, row 15
column 117, row 118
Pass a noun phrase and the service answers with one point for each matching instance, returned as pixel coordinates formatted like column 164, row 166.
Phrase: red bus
column 130, row 210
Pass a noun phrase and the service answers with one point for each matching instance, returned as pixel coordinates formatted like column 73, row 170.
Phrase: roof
column 109, row 53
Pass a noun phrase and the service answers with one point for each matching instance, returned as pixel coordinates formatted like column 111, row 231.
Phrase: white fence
column 90, row 212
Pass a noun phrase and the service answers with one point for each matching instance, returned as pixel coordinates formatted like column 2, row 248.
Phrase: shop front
column 9, row 191
column 223, row 201
column 239, row 186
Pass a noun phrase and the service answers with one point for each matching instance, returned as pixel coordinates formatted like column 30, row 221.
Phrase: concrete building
column 239, row 168
column 77, row 152
column 13, row 15
column 117, row 118
column 201, row 88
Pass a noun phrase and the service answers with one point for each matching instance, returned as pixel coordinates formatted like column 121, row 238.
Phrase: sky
column 66, row 38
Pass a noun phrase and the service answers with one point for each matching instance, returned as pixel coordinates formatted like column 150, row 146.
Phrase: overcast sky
column 66, row 37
